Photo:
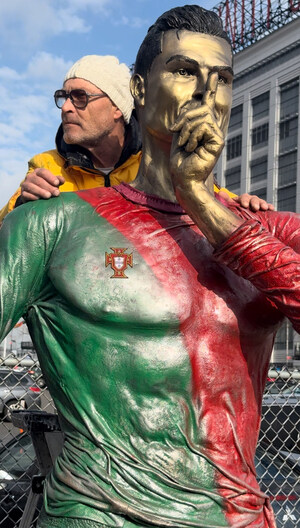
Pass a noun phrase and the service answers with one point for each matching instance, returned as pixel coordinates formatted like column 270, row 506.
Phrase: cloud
column 47, row 68
column 21, row 115
column 133, row 22
column 28, row 104
column 8, row 74
column 93, row 5
column 20, row 140
column 44, row 71
column 24, row 25
column 13, row 167
column 28, row 116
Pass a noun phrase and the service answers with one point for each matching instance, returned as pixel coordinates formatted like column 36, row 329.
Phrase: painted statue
column 153, row 308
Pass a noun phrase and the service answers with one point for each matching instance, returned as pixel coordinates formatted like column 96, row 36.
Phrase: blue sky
column 39, row 40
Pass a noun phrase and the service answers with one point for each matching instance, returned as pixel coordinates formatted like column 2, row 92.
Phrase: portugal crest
column 118, row 260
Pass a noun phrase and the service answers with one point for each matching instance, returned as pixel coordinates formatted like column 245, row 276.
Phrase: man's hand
column 40, row 183
column 248, row 201
column 198, row 139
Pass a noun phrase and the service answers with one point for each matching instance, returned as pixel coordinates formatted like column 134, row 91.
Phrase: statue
column 153, row 308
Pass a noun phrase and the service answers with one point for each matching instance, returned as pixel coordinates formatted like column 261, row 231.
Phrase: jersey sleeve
column 27, row 239
column 267, row 253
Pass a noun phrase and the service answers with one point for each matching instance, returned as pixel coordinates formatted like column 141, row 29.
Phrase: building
column 262, row 152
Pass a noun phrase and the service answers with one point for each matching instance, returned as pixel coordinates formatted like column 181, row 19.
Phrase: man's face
column 88, row 126
column 179, row 75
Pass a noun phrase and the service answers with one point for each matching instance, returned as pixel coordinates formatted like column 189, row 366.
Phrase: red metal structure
column 247, row 21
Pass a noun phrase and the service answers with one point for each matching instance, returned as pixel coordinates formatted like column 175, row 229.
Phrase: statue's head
column 189, row 17
column 174, row 61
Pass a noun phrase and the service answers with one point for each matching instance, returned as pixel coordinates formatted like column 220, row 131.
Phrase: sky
column 39, row 41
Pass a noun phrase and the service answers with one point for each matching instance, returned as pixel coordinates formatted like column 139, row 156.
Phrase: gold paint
column 179, row 75
column 184, row 109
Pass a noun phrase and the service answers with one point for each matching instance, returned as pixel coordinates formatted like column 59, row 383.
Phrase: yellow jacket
column 76, row 178
column 74, row 164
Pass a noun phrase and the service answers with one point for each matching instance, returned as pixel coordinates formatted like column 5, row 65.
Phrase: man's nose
column 68, row 105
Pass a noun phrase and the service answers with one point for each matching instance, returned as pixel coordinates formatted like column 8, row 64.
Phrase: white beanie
column 105, row 72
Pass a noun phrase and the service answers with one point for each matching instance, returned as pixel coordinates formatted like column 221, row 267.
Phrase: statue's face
column 179, row 74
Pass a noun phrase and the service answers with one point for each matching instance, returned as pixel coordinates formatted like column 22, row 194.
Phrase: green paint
column 117, row 369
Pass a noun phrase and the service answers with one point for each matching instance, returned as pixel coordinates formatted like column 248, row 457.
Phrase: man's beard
column 86, row 142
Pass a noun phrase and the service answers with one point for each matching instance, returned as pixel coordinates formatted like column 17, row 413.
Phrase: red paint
column 228, row 373
column 35, row 389
column 268, row 13
column 282, row 497
column 253, row 19
column 294, row 7
column 246, row 21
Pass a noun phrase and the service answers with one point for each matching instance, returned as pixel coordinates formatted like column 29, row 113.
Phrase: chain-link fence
column 278, row 452
column 277, row 458
column 21, row 387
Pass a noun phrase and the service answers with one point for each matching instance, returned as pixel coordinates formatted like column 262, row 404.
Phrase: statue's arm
column 25, row 246
column 268, row 255
column 264, row 249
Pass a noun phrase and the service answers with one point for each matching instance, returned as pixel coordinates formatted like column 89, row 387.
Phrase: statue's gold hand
column 198, row 140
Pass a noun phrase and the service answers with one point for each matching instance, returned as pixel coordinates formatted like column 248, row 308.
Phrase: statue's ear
column 137, row 87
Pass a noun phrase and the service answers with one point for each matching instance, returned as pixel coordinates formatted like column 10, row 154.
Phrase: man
column 98, row 142
column 154, row 345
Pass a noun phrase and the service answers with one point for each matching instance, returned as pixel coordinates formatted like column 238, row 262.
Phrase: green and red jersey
column 155, row 350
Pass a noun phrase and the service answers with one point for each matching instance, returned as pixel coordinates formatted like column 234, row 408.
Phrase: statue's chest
column 152, row 276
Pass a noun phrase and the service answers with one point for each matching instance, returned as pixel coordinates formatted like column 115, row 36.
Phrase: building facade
column 262, row 152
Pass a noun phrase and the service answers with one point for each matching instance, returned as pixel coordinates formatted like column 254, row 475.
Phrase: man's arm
column 265, row 251
column 248, row 201
column 40, row 183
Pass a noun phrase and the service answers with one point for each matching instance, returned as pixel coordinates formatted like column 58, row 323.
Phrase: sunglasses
column 79, row 98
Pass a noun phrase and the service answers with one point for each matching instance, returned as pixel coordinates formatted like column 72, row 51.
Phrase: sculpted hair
column 189, row 17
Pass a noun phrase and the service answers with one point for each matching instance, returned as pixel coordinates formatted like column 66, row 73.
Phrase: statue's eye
column 222, row 79
column 184, row 72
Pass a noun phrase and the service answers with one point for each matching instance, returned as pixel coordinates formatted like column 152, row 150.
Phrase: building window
column 287, row 169
column 288, row 134
column 261, row 193
column 288, row 138
column 260, row 136
column 259, row 168
column 297, row 351
column 289, row 98
column 286, row 198
column 260, row 106
column 233, row 178
column 234, row 147
column 236, row 118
